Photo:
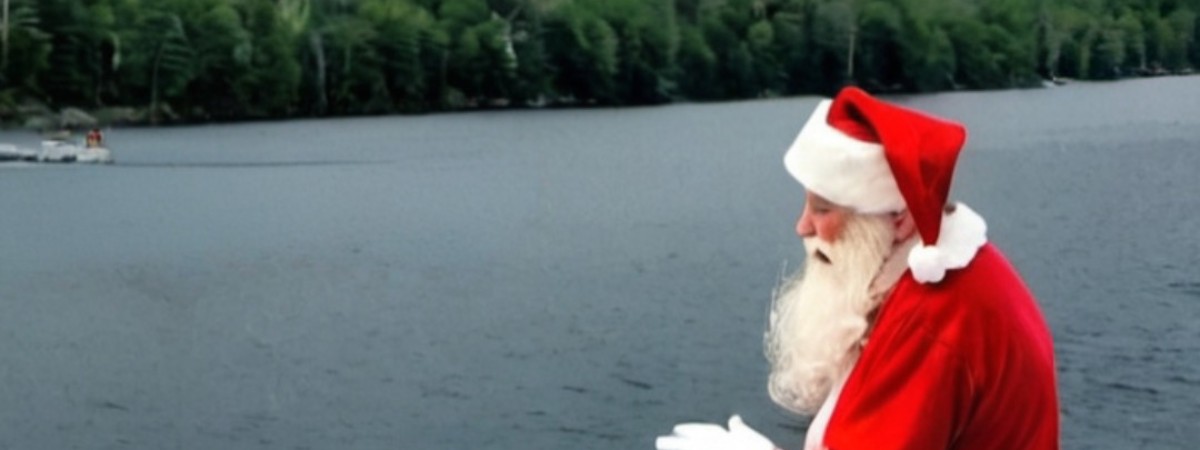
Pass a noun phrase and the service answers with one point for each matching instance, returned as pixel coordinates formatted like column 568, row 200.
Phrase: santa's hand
column 709, row 436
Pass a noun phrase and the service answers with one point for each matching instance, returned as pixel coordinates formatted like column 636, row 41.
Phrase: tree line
column 196, row 60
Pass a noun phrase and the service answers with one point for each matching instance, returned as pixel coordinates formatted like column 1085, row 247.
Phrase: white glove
column 709, row 436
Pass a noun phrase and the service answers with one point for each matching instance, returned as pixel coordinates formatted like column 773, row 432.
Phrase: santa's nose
column 804, row 226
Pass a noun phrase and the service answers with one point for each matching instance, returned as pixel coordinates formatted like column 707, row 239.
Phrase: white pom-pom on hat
column 963, row 232
column 926, row 264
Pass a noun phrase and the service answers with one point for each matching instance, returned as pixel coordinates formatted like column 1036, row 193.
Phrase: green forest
column 165, row 61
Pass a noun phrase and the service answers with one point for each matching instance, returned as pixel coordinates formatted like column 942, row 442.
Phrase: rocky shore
column 37, row 116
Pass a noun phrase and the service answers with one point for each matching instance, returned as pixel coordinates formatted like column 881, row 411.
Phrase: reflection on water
column 541, row 279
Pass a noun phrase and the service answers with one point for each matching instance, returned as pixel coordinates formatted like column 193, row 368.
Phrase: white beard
column 818, row 320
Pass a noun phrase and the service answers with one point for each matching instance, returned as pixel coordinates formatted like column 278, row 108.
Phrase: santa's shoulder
column 987, row 295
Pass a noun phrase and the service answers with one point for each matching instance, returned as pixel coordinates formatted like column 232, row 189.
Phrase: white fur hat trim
column 844, row 170
column 963, row 233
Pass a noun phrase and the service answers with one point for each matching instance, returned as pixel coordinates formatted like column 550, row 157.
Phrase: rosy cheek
column 831, row 228
column 823, row 231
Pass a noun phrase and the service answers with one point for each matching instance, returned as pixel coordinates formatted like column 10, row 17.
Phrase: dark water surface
column 549, row 279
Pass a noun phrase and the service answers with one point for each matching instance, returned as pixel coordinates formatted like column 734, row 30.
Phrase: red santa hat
column 876, row 157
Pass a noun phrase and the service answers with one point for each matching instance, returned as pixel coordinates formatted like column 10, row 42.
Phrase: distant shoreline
column 43, row 119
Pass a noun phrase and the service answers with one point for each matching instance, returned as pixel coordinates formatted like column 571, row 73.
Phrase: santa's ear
column 904, row 225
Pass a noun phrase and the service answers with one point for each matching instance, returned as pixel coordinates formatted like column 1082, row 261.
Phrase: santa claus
column 905, row 329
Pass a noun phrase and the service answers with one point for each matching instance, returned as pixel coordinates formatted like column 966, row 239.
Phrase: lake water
column 550, row 279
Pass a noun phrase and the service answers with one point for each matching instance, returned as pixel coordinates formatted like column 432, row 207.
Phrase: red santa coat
column 964, row 364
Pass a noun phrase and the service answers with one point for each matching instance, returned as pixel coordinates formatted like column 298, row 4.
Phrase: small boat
column 55, row 150
column 9, row 152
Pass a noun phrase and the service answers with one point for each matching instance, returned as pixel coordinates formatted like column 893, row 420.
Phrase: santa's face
column 821, row 219
column 819, row 318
